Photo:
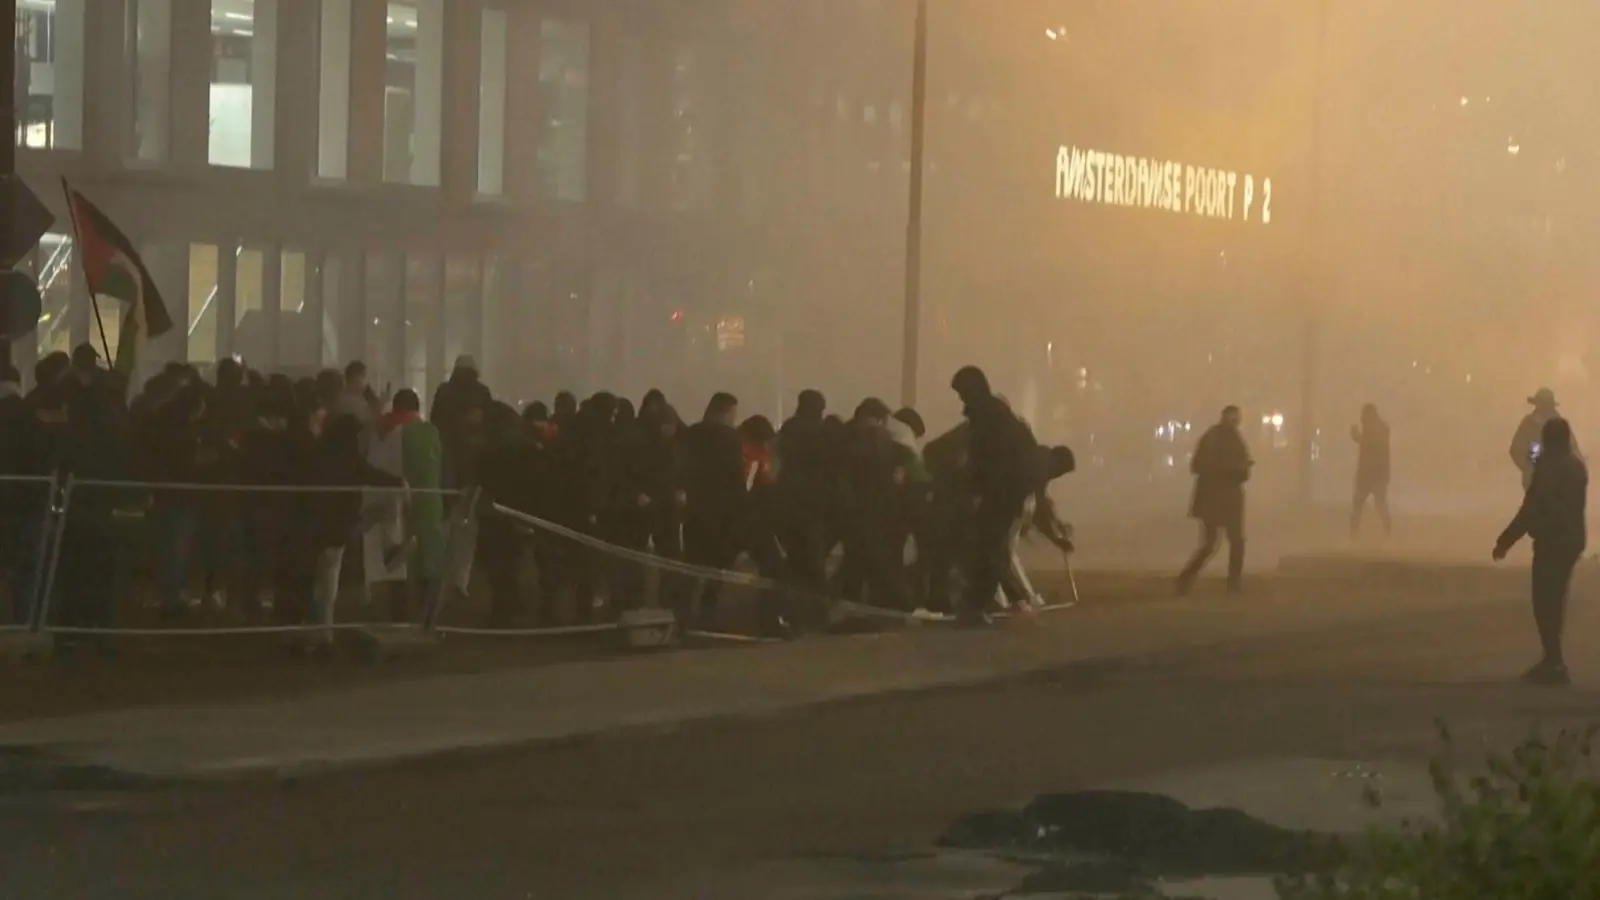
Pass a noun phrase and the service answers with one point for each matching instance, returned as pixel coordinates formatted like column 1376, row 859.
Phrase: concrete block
column 381, row 643
column 648, row 629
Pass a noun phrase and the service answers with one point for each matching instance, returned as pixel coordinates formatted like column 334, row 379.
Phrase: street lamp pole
column 1313, row 274
column 8, row 114
column 911, row 348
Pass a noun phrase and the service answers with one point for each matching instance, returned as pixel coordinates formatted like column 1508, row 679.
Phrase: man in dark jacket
column 872, row 477
column 1553, row 514
column 1001, row 471
column 514, row 474
column 452, row 407
column 267, row 457
column 1221, row 466
column 715, row 488
column 806, row 473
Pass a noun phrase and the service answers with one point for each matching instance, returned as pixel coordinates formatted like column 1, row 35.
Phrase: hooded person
column 807, row 471
column 1553, row 513
column 715, row 493
column 1001, row 474
column 650, row 483
column 453, row 403
column 1525, row 442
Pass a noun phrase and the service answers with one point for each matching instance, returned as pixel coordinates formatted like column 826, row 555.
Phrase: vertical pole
column 913, row 282
column 1312, row 274
column 8, row 114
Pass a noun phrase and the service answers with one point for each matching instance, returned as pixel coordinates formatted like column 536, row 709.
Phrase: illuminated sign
column 1094, row 176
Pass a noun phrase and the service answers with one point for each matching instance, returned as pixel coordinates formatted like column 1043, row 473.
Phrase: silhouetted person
column 1552, row 513
column 1525, row 444
column 452, row 408
column 714, row 482
column 806, row 476
column 873, row 476
column 1001, row 473
column 1372, row 468
column 1221, row 466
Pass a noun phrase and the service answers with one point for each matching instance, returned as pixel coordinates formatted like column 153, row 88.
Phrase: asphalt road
column 681, row 812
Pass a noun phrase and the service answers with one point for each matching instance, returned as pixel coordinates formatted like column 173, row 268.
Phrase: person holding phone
column 1553, row 514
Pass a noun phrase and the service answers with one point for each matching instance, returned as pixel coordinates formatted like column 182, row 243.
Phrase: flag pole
column 83, row 265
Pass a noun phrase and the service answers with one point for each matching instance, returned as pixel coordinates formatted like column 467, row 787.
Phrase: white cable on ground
column 213, row 632
column 733, row 638
column 740, row 579
column 260, row 488
column 559, row 631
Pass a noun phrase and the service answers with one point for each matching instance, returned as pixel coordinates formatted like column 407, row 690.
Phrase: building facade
column 576, row 194
column 704, row 194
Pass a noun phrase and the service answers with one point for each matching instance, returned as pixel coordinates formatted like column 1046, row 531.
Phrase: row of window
column 245, row 53
column 529, row 326
column 249, row 54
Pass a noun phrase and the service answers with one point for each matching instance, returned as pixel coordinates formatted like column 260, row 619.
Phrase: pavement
column 495, row 711
column 1282, row 707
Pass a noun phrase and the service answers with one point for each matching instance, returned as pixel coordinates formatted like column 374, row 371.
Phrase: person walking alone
column 1372, row 469
column 1221, row 466
column 1552, row 513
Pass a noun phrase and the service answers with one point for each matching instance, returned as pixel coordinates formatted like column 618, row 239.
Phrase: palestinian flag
column 113, row 268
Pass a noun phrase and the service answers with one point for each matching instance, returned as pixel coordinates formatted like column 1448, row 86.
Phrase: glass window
column 463, row 320
column 630, row 115
column 58, row 269
column 496, row 331
column 340, row 327
column 383, row 286
column 252, row 339
column 413, row 92
column 564, row 110
column 202, row 318
column 333, row 91
column 492, row 104
column 150, row 49
column 691, row 165
column 244, row 62
column 298, row 329
column 423, row 359
column 50, row 52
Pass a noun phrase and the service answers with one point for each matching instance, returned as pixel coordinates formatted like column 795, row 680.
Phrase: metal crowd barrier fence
column 101, row 525
column 28, row 514
column 83, row 537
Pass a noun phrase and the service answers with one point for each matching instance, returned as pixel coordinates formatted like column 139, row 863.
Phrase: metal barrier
column 109, row 501
column 91, row 507
column 27, row 553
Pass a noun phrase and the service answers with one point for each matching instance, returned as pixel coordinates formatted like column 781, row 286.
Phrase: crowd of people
column 253, row 487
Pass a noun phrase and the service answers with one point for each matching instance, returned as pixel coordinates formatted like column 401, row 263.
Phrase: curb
column 45, row 768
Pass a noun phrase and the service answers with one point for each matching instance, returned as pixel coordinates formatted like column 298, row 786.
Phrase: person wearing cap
column 1525, row 443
